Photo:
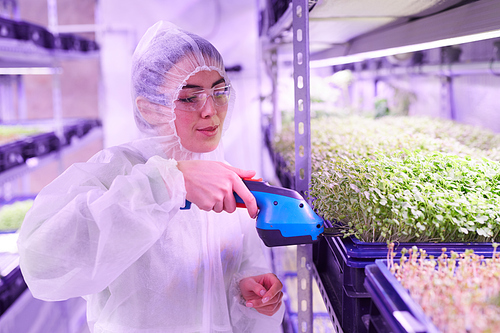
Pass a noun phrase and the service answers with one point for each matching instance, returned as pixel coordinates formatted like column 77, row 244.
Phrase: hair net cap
column 165, row 58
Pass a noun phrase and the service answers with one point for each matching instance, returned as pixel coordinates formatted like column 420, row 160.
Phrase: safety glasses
column 195, row 99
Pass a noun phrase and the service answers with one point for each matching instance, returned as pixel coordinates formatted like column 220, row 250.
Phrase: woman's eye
column 221, row 92
column 191, row 99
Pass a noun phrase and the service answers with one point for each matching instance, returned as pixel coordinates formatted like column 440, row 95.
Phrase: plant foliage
column 403, row 179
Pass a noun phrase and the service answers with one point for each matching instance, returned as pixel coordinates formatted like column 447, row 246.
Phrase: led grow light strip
column 404, row 49
column 30, row 70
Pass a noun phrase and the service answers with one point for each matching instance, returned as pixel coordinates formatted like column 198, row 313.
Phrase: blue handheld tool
column 284, row 218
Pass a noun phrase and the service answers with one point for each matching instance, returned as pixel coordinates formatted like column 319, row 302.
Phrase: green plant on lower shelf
column 10, row 133
column 394, row 179
column 12, row 215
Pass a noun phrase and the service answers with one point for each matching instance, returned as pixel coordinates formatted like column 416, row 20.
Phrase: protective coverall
column 111, row 230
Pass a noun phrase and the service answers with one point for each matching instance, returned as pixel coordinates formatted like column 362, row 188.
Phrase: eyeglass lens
column 195, row 99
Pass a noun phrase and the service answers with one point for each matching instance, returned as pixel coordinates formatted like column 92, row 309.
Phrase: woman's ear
column 151, row 112
column 154, row 114
column 144, row 107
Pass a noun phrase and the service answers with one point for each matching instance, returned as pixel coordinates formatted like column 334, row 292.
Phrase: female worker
column 112, row 230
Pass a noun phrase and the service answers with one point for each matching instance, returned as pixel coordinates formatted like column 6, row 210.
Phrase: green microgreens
column 12, row 215
column 401, row 179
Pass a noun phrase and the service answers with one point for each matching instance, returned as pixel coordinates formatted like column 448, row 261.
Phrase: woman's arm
column 96, row 219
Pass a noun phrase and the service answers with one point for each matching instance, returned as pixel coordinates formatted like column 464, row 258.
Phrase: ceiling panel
column 374, row 8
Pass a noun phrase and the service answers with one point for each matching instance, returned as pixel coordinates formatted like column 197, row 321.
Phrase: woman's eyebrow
column 191, row 86
column 221, row 80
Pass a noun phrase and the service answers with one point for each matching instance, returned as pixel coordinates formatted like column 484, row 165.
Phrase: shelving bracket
column 300, row 25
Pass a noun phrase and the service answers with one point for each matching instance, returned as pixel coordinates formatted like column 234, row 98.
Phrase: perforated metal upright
column 300, row 25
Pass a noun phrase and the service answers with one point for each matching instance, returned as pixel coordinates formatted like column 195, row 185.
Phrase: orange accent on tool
column 242, row 205
column 254, row 179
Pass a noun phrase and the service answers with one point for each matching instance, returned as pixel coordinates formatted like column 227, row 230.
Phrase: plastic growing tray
column 12, row 283
column 7, row 28
column 68, row 42
column 11, row 154
column 342, row 280
column 34, row 33
column 392, row 309
column 355, row 249
column 341, row 262
column 41, row 144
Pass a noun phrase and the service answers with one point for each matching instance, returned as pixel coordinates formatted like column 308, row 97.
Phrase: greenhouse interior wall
column 450, row 91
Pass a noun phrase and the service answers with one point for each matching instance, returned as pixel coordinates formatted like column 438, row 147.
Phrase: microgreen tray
column 341, row 263
column 356, row 253
column 356, row 250
column 392, row 307
column 12, row 212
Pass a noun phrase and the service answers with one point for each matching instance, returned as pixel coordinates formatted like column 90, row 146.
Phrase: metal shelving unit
column 56, row 137
column 329, row 33
column 29, row 55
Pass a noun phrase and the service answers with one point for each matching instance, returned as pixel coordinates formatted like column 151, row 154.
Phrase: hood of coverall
column 165, row 58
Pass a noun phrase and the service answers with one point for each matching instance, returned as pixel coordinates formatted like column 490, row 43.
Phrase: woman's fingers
column 211, row 186
column 263, row 293
column 243, row 192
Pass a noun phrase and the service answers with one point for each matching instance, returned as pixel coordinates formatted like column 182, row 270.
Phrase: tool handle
column 254, row 185
column 284, row 218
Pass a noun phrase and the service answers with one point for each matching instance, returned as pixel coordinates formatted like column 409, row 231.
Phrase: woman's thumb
column 242, row 173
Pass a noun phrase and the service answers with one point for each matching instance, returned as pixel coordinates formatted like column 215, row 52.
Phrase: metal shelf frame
column 24, row 57
column 300, row 23
column 476, row 17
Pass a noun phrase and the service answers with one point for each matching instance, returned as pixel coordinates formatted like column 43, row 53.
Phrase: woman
column 112, row 230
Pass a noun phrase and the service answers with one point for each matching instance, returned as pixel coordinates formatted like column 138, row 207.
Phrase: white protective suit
column 111, row 230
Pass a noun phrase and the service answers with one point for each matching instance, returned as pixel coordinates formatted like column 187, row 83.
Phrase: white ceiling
column 341, row 28
column 339, row 21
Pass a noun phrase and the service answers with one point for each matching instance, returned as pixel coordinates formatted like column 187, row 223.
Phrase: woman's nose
column 209, row 109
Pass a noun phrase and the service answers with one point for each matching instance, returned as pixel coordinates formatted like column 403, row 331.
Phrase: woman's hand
column 210, row 186
column 263, row 293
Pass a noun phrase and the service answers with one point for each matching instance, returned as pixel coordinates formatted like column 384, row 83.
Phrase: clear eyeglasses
column 195, row 99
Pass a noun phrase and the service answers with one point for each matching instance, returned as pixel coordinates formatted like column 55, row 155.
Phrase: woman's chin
column 202, row 148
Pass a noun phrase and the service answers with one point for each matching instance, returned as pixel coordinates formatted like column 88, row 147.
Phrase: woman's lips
column 209, row 131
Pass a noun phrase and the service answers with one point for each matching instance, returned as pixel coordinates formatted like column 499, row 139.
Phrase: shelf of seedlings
column 412, row 181
column 21, row 141
column 420, row 293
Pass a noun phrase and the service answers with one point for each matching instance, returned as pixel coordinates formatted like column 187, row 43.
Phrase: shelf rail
column 300, row 25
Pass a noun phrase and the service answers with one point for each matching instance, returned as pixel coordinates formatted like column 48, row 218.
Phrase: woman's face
column 200, row 130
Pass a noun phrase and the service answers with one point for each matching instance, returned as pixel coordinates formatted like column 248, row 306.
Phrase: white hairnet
column 165, row 58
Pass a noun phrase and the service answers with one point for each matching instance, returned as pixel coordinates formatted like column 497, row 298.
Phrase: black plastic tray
column 40, row 145
column 11, row 154
column 343, row 285
column 11, row 287
column 392, row 307
column 7, row 28
column 341, row 263
column 37, row 34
